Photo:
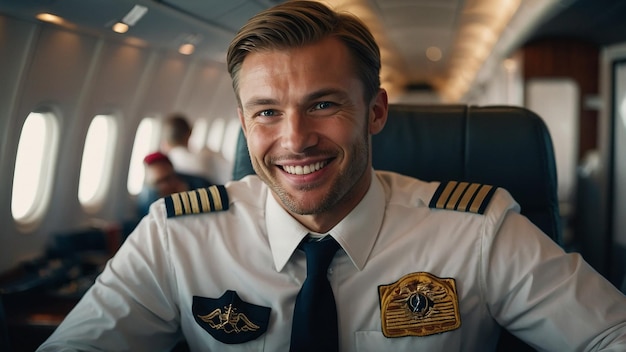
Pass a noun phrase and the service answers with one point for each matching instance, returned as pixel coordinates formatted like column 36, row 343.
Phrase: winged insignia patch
column 229, row 319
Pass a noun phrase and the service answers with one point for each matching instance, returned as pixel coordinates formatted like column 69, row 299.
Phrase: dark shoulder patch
column 201, row 200
column 462, row 196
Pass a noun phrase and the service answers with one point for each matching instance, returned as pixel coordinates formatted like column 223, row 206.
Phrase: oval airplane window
column 216, row 134
column 198, row 135
column 145, row 142
column 34, row 168
column 95, row 169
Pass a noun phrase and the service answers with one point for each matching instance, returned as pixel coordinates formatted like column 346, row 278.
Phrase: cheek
column 347, row 135
column 258, row 143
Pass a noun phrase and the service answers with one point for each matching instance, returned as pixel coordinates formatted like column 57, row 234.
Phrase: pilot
column 318, row 251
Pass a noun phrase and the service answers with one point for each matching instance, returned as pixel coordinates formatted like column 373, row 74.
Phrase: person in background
column 162, row 180
column 320, row 252
column 205, row 163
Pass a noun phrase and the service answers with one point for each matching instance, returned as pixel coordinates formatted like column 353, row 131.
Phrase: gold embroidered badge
column 419, row 304
column 229, row 321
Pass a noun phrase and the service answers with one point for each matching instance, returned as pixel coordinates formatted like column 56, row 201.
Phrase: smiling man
column 318, row 251
column 308, row 120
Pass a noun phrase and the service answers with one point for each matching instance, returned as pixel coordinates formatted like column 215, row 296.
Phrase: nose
column 298, row 133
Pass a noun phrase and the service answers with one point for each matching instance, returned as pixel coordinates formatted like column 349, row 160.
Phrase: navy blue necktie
column 315, row 316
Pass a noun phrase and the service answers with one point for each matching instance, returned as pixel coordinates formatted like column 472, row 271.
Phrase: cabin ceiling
column 405, row 30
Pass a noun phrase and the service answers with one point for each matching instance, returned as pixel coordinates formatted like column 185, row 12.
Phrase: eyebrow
column 325, row 92
column 259, row 102
column 310, row 97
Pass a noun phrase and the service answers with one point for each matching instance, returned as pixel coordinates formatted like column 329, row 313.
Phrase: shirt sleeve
column 551, row 299
column 131, row 306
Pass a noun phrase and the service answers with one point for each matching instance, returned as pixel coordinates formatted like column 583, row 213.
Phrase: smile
column 304, row 170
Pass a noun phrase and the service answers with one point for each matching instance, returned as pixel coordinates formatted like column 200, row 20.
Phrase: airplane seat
column 505, row 146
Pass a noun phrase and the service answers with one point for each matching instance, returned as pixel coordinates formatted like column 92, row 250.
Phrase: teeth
column 304, row 170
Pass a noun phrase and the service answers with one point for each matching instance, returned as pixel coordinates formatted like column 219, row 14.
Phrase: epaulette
column 462, row 196
column 201, row 200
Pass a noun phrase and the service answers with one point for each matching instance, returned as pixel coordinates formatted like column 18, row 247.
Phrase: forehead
column 325, row 61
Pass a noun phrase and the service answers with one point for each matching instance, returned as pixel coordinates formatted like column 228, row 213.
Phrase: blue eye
column 323, row 105
column 267, row 113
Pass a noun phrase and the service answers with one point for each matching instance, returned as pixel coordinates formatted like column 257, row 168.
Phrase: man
column 205, row 163
column 162, row 180
column 405, row 277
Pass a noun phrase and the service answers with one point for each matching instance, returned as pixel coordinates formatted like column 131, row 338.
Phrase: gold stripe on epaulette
column 203, row 200
column 185, row 198
column 193, row 199
column 462, row 196
column 216, row 198
column 178, row 207
column 441, row 203
column 480, row 198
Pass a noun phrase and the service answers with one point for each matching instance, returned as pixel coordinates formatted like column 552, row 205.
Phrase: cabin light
column 188, row 43
column 48, row 17
column 120, row 27
column 433, row 53
column 130, row 19
column 186, row 49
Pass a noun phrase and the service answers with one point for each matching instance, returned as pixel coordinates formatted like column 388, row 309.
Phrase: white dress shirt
column 499, row 268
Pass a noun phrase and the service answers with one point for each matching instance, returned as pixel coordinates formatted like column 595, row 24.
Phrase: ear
column 378, row 112
column 242, row 120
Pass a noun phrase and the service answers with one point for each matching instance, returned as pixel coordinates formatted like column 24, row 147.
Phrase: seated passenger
column 162, row 180
column 205, row 163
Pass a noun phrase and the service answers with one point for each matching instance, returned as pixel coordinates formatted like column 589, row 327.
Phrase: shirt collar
column 356, row 233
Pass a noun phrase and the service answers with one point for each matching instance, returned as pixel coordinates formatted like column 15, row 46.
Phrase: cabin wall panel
column 167, row 81
column 116, row 84
column 13, row 60
column 14, row 53
column 224, row 101
column 200, row 90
